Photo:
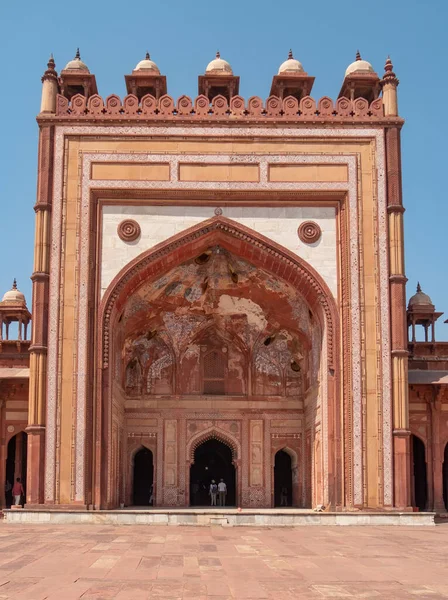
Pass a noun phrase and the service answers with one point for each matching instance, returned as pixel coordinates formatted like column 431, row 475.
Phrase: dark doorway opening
column 212, row 461
column 282, row 479
column 420, row 477
column 445, row 477
column 143, row 477
column 16, row 465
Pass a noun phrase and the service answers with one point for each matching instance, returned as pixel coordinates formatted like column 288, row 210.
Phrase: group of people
column 218, row 491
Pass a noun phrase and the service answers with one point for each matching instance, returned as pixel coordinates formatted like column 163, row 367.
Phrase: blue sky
column 255, row 38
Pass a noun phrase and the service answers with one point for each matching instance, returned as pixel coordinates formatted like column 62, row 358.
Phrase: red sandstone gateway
column 219, row 293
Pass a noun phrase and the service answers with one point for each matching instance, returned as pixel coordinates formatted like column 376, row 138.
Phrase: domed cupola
column 359, row 66
column 14, row 296
column 76, row 64
column 218, row 80
column 291, row 65
column 421, row 301
column 421, row 311
column 219, row 66
column 291, row 80
column 76, row 79
column 13, row 309
column 360, row 81
column 146, row 79
column 147, row 65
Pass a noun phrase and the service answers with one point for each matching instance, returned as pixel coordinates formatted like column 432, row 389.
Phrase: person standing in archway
column 213, row 493
column 284, row 496
column 222, row 491
column 17, row 492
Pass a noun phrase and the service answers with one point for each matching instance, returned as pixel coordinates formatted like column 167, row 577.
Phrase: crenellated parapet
column 201, row 108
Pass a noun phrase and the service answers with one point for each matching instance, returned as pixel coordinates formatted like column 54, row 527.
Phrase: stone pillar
column 39, row 333
column 399, row 342
column 3, row 451
column 18, row 457
column 429, row 457
column 437, row 453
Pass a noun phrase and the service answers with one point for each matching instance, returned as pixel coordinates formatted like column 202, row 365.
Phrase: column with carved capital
column 38, row 348
column 399, row 338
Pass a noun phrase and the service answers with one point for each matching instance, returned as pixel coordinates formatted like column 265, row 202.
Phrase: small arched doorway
column 445, row 476
column 213, row 460
column 143, row 477
column 283, row 480
column 419, row 473
column 16, row 462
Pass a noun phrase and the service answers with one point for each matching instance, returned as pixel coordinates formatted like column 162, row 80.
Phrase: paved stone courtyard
column 96, row 562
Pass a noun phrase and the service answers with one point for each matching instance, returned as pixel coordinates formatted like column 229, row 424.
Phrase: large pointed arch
column 234, row 237
column 262, row 253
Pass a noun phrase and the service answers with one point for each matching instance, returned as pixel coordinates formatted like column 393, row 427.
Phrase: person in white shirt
column 222, row 490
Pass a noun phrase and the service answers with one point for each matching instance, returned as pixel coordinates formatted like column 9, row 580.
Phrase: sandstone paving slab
column 97, row 562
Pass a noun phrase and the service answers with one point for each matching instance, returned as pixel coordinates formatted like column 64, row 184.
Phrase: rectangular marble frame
column 375, row 134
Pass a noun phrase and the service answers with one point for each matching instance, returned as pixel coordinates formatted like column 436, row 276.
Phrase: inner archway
column 282, row 479
column 420, row 476
column 16, row 465
column 212, row 461
column 143, row 478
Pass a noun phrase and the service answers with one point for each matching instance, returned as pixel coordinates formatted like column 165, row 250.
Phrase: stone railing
column 289, row 109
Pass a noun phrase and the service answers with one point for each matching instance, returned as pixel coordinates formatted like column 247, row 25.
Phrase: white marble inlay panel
column 159, row 223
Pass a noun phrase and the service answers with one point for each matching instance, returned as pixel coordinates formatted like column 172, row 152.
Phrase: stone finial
column 419, row 287
column 290, row 56
column 389, row 75
column 50, row 73
column 218, row 55
column 147, row 57
column 358, row 55
column 14, row 284
column 78, row 55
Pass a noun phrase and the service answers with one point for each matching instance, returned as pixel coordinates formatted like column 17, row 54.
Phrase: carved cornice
column 236, row 111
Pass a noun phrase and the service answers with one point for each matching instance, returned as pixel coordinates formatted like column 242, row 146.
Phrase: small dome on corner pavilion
column 147, row 65
column 291, row 65
column 76, row 64
column 219, row 66
column 359, row 66
column 420, row 300
column 14, row 295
